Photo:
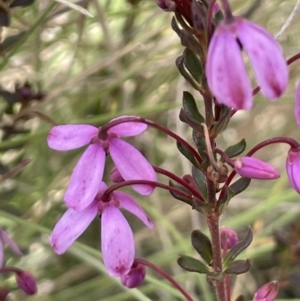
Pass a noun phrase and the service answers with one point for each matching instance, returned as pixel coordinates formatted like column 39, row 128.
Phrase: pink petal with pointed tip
column 266, row 58
column 225, row 70
column 128, row 129
column 6, row 239
column 297, row 105
column 293, row 169
column 117, row 242
column 70, row 226
column 128, row 203
column 70, row 136
column 86, row 178
column 132, row 165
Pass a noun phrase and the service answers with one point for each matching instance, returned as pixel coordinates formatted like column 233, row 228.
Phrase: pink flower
column 135, row 276
column 293, row 169
column 255, row 169
column 88, row 172
column 297, row 105
column 229, row 238
column 267, row 292
column 117, row 241
column 226, row 73
column 26, row 282
column 5, row 239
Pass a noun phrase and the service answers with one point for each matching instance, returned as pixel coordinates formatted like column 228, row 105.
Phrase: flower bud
column 26, row 282
column 115, row 175
column 255, row 169
column 166, row 5
column 135, row 276
column 293, row 169
column 229, row 238
column 267, row 292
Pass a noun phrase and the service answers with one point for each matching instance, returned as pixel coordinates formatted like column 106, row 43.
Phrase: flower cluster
column 86, row 190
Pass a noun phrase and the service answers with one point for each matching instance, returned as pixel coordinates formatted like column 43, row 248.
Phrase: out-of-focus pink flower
column 255, row 169
column 26, row 282
column 135, row 276
column 229, row 238
column 297, row 105
column 5, row 239
column 293, row 169
column 267, row 292
column 117, row 241
column 226, row 73
column 88, row 172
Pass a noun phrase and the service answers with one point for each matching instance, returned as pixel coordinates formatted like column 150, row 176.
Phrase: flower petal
column 225, row 70
column 128, row 203
column 71, row 225
column 70, row 136
column 297, row 105
column 117, row 242
column 6, row 239
column 293, row 169
column 266, row 58
column 1, row 253
column 86, row 178
column 128, row 129
column 132, row 165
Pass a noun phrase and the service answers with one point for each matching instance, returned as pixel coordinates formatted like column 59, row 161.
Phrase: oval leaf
column 202, row 245
column 192, row 264
column 238, row 267
column 237, row 149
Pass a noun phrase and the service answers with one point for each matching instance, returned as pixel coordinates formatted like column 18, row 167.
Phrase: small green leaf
column 191, row 109
column 222, row 123
column 239, row 247
column 238, row 267
column 183, row 71
column 182, row 148
column 199, row 140
column 179, row 196
column 237, row 149
column 193, row 64
column 192, row 264
column 202, row 245
column 189, row 41
column 240, row 298
column 175, row 27
column 239, row 186
column 200, row 180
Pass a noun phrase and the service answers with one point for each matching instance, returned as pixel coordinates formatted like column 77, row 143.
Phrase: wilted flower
column 26, row 282
column 293, row 168
column 117, row 241
column 267, row 292
column 226, row 73
column 135, row 276
column 84, row 182
column 229, row 238
column 255, row 169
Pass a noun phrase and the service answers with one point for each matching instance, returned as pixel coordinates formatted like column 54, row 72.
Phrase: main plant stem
column 213, row 225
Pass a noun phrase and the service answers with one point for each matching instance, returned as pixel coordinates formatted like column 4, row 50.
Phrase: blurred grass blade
column 75, row 7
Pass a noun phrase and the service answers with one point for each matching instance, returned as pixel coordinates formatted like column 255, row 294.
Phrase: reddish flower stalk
column 115, row 122
column 165, row 275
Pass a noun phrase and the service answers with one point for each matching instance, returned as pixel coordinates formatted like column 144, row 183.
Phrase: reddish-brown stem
column 209, row 18
column 144, row 182
column 180, row 181
column 213, row 225
column 165, row 275
column 227, row 11
column 224, row 156
column 107, row 126
column 11, row 270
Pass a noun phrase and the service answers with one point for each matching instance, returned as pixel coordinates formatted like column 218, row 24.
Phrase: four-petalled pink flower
column 117, row 241
column 88, row 173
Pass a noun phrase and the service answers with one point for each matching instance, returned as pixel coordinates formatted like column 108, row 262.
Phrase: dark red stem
column 143, row 182
column 165, row 275
column 179, row 180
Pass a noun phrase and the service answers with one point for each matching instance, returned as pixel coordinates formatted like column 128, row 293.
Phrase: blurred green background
column 121, row 61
